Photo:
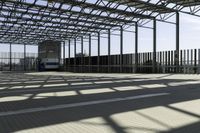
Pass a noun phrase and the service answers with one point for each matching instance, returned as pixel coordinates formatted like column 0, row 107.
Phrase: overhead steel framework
column 29, row 22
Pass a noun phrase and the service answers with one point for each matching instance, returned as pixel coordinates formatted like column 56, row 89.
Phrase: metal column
column 154, row 46
column 24, row 57
column 121, row 49
column 69, row 55
column 10, row 57
column 177, row 42
column 74, row 54
column 64, row 63
column 136, row 47
column 82, row 54
column 109, row 51
column 89, row 62
column 98, row 58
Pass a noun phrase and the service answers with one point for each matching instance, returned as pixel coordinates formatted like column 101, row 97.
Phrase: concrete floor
column 99, row 103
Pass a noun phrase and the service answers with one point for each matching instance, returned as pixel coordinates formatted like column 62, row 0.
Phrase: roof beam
column 72, row 12
column 105, row 9
column 47, row 21
column 145, row 6
column 60, row 17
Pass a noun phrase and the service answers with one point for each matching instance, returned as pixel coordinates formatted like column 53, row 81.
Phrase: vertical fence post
column 10, row 57
column 136, row 47
column 166, row 62
column 163, row 62
column 195, row 61
column 82, row 54
column 109, row 51
column 184, row 61
column 89, row 62
column 188, row 61
column 198, row 61
column 74, row 54
column 173, row 69
column 154, row 46
column 191, row 63
column 181, row 62
column 143, row 60
column 24, row 57
column 98, row 51
column 146, row 60
column 64, row 63
column 160, row 66
column 69, row 54
column 177, row 42
column 121, row 49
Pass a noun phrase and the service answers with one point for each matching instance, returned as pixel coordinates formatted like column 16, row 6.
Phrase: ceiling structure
column 32, row 21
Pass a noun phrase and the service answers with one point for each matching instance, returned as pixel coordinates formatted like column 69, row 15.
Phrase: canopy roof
column 32, row 21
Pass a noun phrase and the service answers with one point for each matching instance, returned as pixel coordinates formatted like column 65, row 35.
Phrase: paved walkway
column 99, row 103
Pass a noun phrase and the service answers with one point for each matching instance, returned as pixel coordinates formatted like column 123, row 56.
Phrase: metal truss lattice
column 32, row 21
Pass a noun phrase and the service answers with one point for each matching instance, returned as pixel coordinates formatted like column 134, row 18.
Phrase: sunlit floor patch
column 153, row 86
column 90, row 125
column 16, row 87
column 13, row 82
column 127, row 88
column 32, row 86
column 26, row 86
column 96, row 91
column 14, row 98
column 55, row 94
column 55, row 85
column 34, row 82
column 122, row 81
column 103, row 82
column 2, row 88
column 191, row 107
column 152, row 120
column 183, row 83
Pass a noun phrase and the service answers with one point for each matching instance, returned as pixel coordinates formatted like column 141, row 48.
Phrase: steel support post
column 98, row 49
column 10, row 57
column 74, row 54
column 177, row 41
column 82, row 54
column 24, row 57
column 136, row 47
column 109, row 52
column 89, row 58
column 69, row 54
column 121, row 49
column 1, row 65
column 64, row 63
column 154, row 46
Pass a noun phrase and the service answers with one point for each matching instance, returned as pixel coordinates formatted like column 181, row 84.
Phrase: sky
column 166, row 38
column 189, row 39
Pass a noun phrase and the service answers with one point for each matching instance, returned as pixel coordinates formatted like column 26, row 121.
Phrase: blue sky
column 189, row 39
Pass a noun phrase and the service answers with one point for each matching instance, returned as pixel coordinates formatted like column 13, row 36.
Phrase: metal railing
column 166, row 62
column 17, row 62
